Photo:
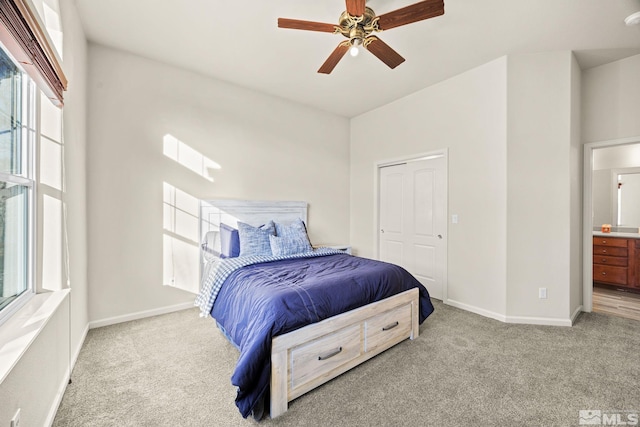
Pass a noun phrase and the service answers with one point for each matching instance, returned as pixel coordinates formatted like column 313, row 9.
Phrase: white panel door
column 413, row 219
column 392, row 195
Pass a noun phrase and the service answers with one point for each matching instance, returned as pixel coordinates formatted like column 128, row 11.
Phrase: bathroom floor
column 616, row 303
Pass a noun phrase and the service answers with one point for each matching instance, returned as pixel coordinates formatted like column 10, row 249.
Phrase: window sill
column 18, row 332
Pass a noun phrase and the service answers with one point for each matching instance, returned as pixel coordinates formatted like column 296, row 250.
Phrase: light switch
column 454, row 219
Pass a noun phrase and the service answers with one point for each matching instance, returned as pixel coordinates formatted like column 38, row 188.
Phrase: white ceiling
column 238, row 41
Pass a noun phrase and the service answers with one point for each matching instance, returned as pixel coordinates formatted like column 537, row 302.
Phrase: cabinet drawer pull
column 604, row 273
column 330, row 355
column 604, row 242
column 604, row 251
column 390, row 326
column 604, row 260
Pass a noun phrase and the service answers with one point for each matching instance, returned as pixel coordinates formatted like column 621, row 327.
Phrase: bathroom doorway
column 612, row 198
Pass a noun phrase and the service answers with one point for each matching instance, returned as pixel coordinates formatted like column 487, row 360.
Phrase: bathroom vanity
column 616, row 260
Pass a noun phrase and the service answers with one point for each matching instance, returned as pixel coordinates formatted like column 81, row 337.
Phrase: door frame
column 587, row 215
column 443, row 152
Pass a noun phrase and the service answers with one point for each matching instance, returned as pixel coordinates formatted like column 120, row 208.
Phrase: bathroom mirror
column 616, row 187
column 627, row 200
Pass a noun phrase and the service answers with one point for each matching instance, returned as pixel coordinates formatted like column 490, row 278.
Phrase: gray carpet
column 464, row 369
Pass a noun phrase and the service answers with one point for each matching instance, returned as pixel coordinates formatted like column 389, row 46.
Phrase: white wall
column 576, row 190
column 268, row 149
column 610, row 107
column 37, row 381
column 466, row 114
column 512, row 130
column 539, row 184
column 75, row 177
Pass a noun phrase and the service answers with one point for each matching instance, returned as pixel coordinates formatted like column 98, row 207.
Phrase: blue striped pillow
column 294, row 235
column 295, row 228
column 255, row 240
column 289, row 245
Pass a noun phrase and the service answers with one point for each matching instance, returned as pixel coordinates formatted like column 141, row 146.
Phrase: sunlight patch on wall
column 180, row 239
column 50, row 120
column 49, row 12
column 51, row 243
column 51, row 164
column 52, row 257
column 188, row 157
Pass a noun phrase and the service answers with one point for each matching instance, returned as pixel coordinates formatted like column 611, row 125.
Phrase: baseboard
column 545, row 321
column 575, row 314
column 477, row 310
column 526, row 320
column 139, row 315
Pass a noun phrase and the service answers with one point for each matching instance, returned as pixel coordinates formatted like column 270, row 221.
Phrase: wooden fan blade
column 355, row 7
column 334, row 58
column 414, row 13
column 296, row 24
column 384, row 52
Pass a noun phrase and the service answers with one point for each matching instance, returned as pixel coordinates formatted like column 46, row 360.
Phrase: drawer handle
column 604, row 242
column 604, row 273
column 604, row 260
column 604, row 251
column 330, row 355
column 390, row 326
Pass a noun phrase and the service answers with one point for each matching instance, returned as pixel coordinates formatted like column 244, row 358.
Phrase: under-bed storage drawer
column 339, row 342
column 387, row 329
column 321, row 356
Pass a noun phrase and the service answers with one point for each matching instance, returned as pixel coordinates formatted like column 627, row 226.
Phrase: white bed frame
column 310, row 356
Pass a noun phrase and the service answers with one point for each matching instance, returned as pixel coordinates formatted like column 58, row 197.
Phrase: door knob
column 439, row 236
column 382, row 231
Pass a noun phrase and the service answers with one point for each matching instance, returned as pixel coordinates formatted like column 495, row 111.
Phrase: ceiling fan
column 357, row 24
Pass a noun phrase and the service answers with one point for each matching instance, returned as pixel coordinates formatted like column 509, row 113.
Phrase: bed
column 299, row 319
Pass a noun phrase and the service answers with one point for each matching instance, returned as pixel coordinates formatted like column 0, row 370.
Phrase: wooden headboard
column 252, row 212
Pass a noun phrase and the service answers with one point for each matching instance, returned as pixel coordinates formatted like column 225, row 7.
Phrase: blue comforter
column 259, row 301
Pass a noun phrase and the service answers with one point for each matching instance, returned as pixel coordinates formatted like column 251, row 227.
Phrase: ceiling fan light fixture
column 633, row 19
column 353, row 51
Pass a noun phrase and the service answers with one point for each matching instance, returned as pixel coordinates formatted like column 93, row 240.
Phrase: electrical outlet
column 542, row 293
column 15, row 421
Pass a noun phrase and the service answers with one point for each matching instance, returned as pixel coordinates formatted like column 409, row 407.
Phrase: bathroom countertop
column 617, row 234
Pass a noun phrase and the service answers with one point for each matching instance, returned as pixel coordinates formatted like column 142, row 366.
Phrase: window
column 17, row 96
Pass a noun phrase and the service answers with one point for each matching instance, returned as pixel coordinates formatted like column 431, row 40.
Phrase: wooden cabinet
column 616, row 261
column 636, row 264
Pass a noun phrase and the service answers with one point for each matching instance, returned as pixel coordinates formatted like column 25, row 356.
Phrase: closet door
column 412, row 215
